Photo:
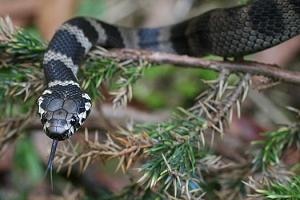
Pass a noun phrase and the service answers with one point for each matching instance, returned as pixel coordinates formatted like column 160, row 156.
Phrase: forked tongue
column 50, row 161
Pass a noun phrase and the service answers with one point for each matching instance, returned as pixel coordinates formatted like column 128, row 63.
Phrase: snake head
column 63, row 109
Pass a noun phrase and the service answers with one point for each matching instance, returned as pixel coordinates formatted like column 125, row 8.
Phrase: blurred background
column 22, row 165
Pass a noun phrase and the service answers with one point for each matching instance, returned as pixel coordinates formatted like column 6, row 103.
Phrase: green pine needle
column 279, row 191
column 173, row 158
column 269, row 151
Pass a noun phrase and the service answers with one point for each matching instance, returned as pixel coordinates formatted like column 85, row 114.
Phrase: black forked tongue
column 50, row 160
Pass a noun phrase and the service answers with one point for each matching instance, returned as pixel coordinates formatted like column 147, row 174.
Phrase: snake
column 226, row 32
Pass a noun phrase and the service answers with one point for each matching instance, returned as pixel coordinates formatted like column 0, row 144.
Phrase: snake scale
column 227, row 32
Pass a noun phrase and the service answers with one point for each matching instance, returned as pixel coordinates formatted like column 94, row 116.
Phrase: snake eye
column 43, row 119
column 74, row 121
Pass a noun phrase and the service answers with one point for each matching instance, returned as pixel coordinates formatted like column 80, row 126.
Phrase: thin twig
column 254, row 68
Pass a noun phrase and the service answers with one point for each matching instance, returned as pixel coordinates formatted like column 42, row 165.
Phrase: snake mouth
column 57, row 133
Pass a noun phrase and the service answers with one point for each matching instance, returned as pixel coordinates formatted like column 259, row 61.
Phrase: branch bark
column 254, row 68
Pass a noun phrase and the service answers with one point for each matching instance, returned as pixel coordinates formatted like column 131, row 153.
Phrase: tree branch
column 254, row 68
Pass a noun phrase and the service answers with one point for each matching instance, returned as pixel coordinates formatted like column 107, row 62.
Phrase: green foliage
column 93, row 8
column 22, row 48
column 95, row 73
column 27, row 160
column 280, row 191
column 269, row 151
column 166, row 86
column 176, row 150
column 18, row 87
column 28, row 170
column 19, row 72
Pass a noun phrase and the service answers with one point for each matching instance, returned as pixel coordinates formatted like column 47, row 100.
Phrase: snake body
column 226, row 32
